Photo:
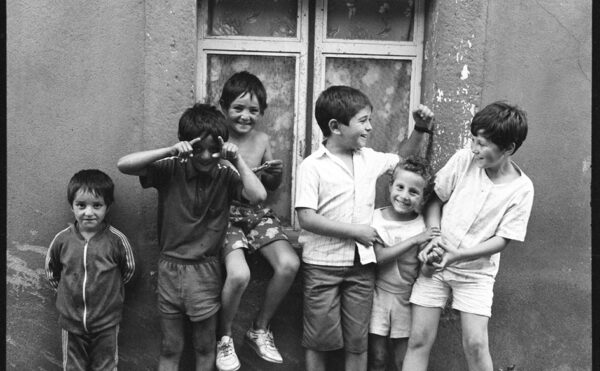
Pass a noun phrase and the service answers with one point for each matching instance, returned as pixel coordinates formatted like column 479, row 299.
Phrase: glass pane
column 390, row 20
column 262, row 18
column 387, row 84
column 278, row 75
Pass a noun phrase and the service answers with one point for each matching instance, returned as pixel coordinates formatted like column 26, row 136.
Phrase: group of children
column 373, row 280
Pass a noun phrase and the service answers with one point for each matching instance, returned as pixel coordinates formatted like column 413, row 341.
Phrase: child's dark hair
column 502, row 124
column 241, row 83
column 340, row 103
column 418, row 165
column 93, row 181
column 202, row 119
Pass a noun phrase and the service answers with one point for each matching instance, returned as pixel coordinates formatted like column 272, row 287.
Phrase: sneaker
column 227, row 360
column 262, row 343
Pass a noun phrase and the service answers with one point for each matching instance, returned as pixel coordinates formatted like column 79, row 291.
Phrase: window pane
column 278, row 75
column 387, row 84
column 390, row 20
column 262, row 18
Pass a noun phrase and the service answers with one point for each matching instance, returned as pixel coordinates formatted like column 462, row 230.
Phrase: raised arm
column 423, row 117
column 315, row 223
column 253, row 190
column 137, row 162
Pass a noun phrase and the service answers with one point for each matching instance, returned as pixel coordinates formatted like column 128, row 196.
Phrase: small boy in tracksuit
column 335, row 198
column 482, row 201
column 88, row 264
column 196, row 185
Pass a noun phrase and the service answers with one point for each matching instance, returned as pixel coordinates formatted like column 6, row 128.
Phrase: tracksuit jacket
column 89, row 277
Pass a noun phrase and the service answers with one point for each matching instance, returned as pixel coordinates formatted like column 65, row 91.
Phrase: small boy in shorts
column 334, row 202
column 402, row 229
column 485, row 201
column 195, row 189
column 88, row 264
column 252, row 227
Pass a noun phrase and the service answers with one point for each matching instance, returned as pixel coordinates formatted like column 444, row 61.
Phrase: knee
column 204, row 347
column 475, row 346
column 171, row 348
column 287, row 267
column 238, row 279
column 377, row 359
column 420, row 339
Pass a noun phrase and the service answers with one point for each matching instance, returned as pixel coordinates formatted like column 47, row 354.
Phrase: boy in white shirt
column 485, row 201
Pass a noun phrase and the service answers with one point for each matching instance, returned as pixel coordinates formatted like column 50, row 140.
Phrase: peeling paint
column 587, row 165
column 23, row 278
column 464, row 74
column 440, row 95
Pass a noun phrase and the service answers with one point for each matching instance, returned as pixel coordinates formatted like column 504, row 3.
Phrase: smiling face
column 89, row 211
column 406, row 194
column 242, row 114
column 487, row 154
column 355, row 134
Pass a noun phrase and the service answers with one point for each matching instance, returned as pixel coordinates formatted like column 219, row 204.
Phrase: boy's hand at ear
column 184, row 149
column 423, row 119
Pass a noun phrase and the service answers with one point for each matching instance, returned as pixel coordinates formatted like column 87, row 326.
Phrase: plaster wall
column 88, row 83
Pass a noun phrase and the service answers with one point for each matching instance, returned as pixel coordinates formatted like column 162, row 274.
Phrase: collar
column 75, row 229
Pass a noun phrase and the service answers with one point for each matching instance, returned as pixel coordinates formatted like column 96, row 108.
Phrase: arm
column 127, row 263
column 432, row 215
column 386, row 254
column 137, row 162
column 52, row 265
column 489, row 247
column 423, row 124
column 271, row 176
column 253, row 190
column 315, row 223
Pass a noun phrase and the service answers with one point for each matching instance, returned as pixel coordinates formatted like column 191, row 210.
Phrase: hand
column 274, row 167
column 427, row 235
column 449, row 256
column 423, row 117
column 425, row 250
column 229, row 151
column 366, row 235
column 184, row 149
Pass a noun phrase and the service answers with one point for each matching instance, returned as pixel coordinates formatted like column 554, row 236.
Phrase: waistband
column 206, row 260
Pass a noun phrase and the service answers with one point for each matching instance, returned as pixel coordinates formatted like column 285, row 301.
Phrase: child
column 252, row 227
column 334, row 203
column 485, row 201
column 402, row 230
column 195, row 189
column 88, row 264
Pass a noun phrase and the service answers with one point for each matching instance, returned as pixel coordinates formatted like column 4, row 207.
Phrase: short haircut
column 201, row 120
column 340, row 103
column 241, row 83
column 420, row 166
column 502, row 124
column 93, row 181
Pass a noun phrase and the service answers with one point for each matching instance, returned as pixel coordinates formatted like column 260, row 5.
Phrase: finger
column 215, row 155
column 221, row 142
column 275, row 162
column 195, row 140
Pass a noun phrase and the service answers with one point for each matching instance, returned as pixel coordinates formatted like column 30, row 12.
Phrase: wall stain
column 20, row 277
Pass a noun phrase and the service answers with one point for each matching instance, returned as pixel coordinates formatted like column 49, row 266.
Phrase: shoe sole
column 255, row 348
column 233, row 369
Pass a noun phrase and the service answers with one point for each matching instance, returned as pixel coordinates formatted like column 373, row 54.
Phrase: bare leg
column 356, row 361
column 205, row 343
column 284, row 260
column 171, row 344
column 315, row 360
column 422, row 336
column 399, row 350
column 236, row 281
column 378, row 353
column 475, row 341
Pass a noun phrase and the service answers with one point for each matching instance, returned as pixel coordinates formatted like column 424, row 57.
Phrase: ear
column 334, row 126
column 510, row 149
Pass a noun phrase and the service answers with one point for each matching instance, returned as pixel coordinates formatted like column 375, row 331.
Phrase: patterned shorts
column 252, row 228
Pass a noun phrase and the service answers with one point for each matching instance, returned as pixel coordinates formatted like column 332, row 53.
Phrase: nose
column 205, row 155
column 368, row 126
column 88, row 210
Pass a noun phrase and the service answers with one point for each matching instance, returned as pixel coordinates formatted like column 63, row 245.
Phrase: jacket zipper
column 84, row 283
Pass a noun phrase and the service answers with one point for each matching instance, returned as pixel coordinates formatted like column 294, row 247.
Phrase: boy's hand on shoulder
column 366, row 235
column 423, row 118
column 229, row 151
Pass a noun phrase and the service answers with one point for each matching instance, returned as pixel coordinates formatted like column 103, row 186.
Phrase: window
column 298, row 50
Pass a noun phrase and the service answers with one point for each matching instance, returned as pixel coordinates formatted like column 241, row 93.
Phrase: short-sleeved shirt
column 193, row 207
column 476, row 209
column 398, row 276
column 326, row 185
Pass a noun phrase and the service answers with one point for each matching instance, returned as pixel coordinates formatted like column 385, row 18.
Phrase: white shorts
column 391, row 314
column 472, row 292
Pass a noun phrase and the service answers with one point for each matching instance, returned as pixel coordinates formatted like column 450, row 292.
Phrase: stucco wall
column 89, row 82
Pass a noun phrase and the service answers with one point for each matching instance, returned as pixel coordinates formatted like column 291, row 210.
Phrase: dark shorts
column 252, row 228
column 96, row 351
column 337, row 307
column 193, row 289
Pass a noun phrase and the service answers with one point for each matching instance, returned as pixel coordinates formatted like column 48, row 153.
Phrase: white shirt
column 476, row 209
column 326, row 185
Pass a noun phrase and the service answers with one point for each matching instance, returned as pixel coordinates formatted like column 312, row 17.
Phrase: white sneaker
column 262, row 343
column 227, row 360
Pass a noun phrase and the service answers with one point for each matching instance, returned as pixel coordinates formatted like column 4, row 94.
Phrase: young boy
column 88, row 263
column 485, row 201
column 402, row 230
column 252, row 227
column 195, row 189
column 334, row 203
